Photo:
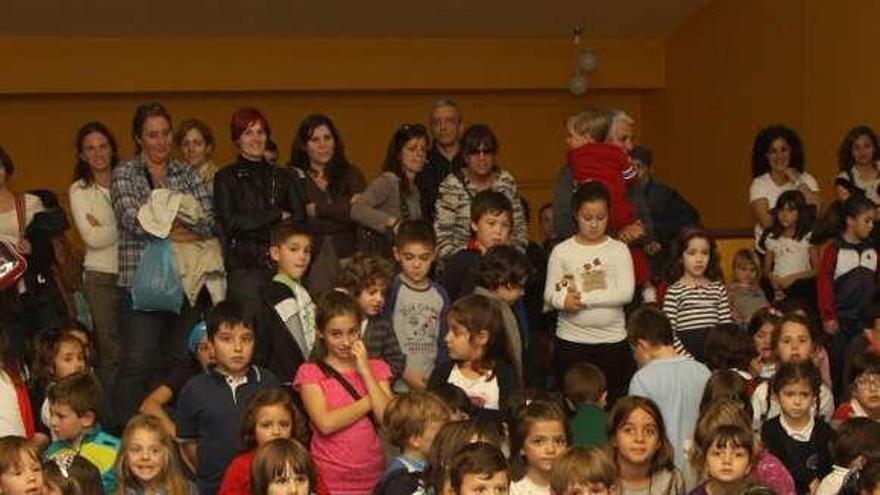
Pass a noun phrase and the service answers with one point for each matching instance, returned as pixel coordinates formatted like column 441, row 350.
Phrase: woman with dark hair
column 96, row 157
column 858, row 158
column 152, row 341
column 395, row 196
column 195, row 141
column 480, row 173
column 252, row 196
column 332, row 184
column 777, row 166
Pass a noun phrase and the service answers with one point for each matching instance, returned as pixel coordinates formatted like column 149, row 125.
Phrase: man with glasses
column 445, row 154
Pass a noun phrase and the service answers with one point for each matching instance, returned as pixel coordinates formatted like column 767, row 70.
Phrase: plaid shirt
column 131, row 190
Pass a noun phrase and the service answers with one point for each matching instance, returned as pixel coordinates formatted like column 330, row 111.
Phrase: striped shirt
column 691, row 307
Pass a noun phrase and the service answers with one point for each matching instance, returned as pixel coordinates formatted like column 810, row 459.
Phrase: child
column 147, row 462
column 697, row 298
column 847, row 280
column 75, row 402
column 725, row 455
column 586, row 391
column 411, row 423
column 791, row 259
column 72, row 475
column 345, row 394
column 641, row 448
column 15, row 420
column 211, row 404
column 460, row 405
column 582, row 471
column 798, row 436
column 502, row 276
column 538, row 437
column 868, row 342
column 491, row 223
column 674, row 382
column 451, row 438
column 366, row 278
column 761, row 327
column 59, row 354
column 417, row 305
column 271, row 414
column 283, row 466
column 864, row 391
column 854, row 442
column 480, row 357
column 477, row 469
column 746, row 296
column 728, row 347
column 286, row 329
column 869, row 479
column 20, row 470
column 590, row 280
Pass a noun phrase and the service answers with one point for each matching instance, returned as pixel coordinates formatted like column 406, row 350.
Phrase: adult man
column 445, row 153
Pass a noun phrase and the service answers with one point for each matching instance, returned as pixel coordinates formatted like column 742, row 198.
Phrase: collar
column 803, row 434
column 857, row 410
column 253, row 374
column 474, row 245
column 858, row 247
column 413, row 465
column 286, row 280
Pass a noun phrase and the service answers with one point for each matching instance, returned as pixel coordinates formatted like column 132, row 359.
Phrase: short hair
column 279, row 458
column 591, row 122
column 728, row 346
column 81, row 170
column 363, row 271
column 80, row 391
column 415, row 232
column 642, row 154
column 244, row 118
column 502, row 266
column 445, row 102
column 271, row 397
column 489, row 201
column 584, row 382
column 141, row 114
column 12, row 449
column 864, row 363
column 454, row 397
column 854, row 438
column 409, row 415
column 723, row 435
column 284, row 230
column 187, row 125
column 451, row 438
column 6, row 162
column 589, row 192
column 763, row 141
column 651, row 325
column 478, row 458
column 479, row 137
column 230, row 313
column 582, row 466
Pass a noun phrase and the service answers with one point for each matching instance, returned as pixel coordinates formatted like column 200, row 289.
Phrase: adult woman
column 96, row 157
column 331, row 183
column 394, row 196
column 152, row 340
column 777, row 166
column 858, row 158
column 453, row 223
column 195, row 141
column 251, row 196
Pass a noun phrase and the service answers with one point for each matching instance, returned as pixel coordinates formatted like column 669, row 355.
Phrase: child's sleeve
column 307, row 373
column 554, row 292
column 188, row 413
column 381, row 370
column 825, row 284
column 725, row 315
column 670, row 306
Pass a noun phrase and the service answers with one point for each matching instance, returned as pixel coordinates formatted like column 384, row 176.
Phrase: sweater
column 608, row 164
column 100, row 240
column 847, row 280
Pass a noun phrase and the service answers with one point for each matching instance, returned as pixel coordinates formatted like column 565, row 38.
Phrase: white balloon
column 578, row 84
column 587, row 60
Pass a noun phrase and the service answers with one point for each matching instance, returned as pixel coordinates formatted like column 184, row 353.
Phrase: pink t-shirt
column 351, row 460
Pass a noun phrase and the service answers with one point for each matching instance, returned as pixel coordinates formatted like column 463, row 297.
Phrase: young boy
column 867, row 342
column 674, row 382
column 854, row 442
column 74, row 402
column 491, row 221
column 411, row 421
column 479, row 469
column 864, row 399
column 584, row 471
column 417, row 305
column 586, row 391
column 211, row 405
column 286, row 324
column 502, row 275
column 366, row 278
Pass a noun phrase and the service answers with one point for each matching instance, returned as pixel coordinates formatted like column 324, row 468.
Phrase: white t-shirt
column 482, row 391
column 10, row 414
column 526, row 486
column 789, row 255
column 9, row 229
column 763, row 187
column 869, row 186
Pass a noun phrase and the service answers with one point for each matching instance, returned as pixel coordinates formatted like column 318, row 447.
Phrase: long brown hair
column 620, row 413
column 171, row 475
column 278, row 458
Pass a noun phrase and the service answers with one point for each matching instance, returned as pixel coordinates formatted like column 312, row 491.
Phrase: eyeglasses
column 482, row 151
column 867, row 382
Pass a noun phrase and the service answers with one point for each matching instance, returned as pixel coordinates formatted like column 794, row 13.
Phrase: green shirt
column 588, row 425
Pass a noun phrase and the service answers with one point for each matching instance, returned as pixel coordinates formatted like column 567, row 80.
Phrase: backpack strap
column 332, row 373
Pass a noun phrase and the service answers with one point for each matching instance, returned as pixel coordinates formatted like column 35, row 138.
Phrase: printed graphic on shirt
column 592, row 276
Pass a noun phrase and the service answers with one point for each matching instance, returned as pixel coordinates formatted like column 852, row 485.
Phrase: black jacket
column 249, row 199
column 508, row 384
column 276, row 350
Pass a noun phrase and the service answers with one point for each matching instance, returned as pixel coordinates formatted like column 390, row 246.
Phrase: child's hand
column 573, row 300
column 360, row 355
column 830, row 327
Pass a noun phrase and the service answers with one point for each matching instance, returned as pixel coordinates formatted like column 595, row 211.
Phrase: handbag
column 156, row 285
column 12, row 263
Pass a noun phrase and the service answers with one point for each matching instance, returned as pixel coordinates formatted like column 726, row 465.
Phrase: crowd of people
column 275, row 329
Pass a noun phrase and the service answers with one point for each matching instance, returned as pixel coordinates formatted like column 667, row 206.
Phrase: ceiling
column 344, row 19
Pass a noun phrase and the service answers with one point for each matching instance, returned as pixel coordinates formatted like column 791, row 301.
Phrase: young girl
column 724, row 455
column 590, row 279
column 449, row 440
column 282, row 467
column 270, row 415
column 798, row 437
column 20, row 469
column 539, row 435
column 58, row 354
column 697, row 298
column 746, row 296
column 345, row 394
column 792, row 341
column 480, row 363
column 761, row 327
column 72, row 475
column 642, row 450
column 147, row 462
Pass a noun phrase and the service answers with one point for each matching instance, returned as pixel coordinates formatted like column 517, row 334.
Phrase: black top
column 505, row 373
column 458, row 273
column 806, row 461
column 437, row 167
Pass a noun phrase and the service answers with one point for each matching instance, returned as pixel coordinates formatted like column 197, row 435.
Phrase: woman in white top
column 96, row 223
column 858, row 159
column 777, row 166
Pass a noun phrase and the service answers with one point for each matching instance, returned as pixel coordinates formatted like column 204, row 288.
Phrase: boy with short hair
column 479, row 468
column 584, row 470
column 286, row 324
column 674, row 382
column 411, row 421
column 366, row 279
column 586, row 390
column 854, row 443
column 864, row 399
column 417, row 305
column 74, row 402
column 211, row 405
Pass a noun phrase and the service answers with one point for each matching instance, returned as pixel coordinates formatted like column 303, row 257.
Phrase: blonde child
column 282, row 467
column 147, row 462
column 344, row 394
column 746, row 296
column 539, row 436
column 585, row 471
column 20, row 469
column 724, row 455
